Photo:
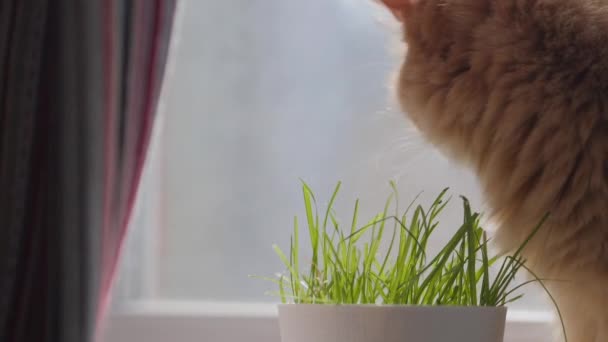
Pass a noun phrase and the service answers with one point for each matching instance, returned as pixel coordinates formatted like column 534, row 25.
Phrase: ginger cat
column 518, row 91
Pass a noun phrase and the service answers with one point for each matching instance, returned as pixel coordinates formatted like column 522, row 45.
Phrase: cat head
column 439, row 36
column 478, row 71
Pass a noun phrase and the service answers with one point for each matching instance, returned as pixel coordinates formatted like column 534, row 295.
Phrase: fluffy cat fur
column 518, row 91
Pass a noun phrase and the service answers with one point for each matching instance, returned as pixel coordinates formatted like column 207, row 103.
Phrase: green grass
column 385, row 260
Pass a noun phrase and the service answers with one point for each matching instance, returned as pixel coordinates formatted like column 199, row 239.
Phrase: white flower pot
column 370, row 323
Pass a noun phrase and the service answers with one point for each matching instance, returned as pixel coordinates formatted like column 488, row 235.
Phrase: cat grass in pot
column 375, row 281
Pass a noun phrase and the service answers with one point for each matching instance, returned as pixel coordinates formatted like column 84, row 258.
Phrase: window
column 259, row 94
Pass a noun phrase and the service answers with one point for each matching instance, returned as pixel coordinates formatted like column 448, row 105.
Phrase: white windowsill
column 189, row 321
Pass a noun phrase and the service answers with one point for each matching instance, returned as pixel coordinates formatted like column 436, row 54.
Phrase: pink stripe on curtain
column 110, row 140
column 145, row 69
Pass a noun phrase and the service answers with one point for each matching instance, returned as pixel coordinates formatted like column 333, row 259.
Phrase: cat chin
column 455, row 156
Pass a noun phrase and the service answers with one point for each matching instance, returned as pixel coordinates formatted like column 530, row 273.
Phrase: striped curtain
column 79, row 83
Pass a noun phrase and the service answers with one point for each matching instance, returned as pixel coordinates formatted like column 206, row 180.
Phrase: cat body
column 518, row 91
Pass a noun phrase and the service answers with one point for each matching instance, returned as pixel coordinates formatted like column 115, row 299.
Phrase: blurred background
column 261, row 93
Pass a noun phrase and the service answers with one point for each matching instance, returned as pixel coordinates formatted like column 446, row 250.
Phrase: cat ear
column 399, row 8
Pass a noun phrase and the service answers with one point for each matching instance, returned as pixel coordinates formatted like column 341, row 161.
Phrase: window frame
column 191, row 321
